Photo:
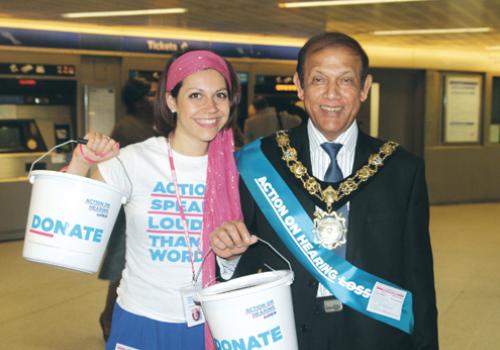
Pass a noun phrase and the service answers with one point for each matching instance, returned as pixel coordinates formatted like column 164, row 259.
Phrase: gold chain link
column 331, row 195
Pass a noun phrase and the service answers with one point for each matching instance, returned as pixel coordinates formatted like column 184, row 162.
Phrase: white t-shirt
column 157, row 258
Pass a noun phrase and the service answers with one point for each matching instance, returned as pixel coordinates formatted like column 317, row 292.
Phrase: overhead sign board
column 83, row 41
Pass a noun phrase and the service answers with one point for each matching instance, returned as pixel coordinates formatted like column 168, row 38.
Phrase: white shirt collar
column 348, row 138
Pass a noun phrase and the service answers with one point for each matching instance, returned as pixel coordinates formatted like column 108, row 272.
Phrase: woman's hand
column 231, row 239
column 99, row 148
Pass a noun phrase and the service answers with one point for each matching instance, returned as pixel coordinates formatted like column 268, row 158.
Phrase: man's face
column 332, row 91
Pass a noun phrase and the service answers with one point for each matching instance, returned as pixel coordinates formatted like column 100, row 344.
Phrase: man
column 374, row 225
column 267, row 120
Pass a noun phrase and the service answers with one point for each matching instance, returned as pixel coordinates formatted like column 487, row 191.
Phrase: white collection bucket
column 70, row 220
column 251, row 312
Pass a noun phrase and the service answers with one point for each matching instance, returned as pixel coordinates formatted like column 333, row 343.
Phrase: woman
column 182, row 185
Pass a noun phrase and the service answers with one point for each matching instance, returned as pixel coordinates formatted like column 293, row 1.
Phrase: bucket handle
column 77, row 141
column 259, row 239
column 51, row 150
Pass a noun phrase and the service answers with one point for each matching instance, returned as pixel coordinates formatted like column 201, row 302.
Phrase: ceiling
column 265, row 18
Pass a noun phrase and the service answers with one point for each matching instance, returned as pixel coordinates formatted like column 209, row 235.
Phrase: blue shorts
column 130, row 332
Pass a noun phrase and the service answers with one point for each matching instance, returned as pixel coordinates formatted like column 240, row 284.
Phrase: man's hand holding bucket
column 231, row 239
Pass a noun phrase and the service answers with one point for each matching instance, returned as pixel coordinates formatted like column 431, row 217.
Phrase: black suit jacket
column 387, row 236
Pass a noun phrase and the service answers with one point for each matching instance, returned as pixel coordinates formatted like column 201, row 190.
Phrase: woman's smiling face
column 202, row 108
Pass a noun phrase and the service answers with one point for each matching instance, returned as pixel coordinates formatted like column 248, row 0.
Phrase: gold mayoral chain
column 329, row 227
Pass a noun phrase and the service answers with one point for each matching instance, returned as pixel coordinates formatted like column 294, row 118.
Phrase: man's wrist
column 227, row 267
column 232, row 257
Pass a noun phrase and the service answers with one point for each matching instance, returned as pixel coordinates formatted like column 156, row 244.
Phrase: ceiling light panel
column 432, row 31
column 340, row 3
column 168, row 11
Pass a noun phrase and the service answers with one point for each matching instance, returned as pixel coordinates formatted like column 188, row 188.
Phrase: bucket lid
column 245, row 285
column 75, row 178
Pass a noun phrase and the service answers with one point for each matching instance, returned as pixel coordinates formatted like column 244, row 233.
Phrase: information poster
column 99, row 109
column 462, row 107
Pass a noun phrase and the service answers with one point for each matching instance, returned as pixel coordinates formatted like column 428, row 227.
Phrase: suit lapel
column 358, row 204
column 299, row 140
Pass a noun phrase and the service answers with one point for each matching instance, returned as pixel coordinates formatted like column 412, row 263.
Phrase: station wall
column 411, row 108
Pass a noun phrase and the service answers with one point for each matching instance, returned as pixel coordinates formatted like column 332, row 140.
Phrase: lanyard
column 181, row 209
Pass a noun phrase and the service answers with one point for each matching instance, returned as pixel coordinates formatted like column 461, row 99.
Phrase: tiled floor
column 44, row 308
column 466, row 245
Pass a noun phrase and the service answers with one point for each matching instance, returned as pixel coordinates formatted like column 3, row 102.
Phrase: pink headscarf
column 222, row 197
column 222, row 201
column 195, row 61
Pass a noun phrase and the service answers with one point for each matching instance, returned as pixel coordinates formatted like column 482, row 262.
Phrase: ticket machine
column 35, row 115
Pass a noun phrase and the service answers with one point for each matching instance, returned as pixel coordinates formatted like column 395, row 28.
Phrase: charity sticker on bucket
column 251, row 312
column 70, row 220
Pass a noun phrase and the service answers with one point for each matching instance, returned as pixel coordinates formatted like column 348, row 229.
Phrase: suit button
column 303, row 328
column 312, row 283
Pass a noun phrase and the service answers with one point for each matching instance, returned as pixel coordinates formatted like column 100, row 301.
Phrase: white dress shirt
column 320, row 160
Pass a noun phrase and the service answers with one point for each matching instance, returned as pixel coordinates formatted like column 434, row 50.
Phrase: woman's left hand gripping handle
column 98, row 148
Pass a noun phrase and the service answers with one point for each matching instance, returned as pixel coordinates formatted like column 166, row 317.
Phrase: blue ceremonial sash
column 352, row 286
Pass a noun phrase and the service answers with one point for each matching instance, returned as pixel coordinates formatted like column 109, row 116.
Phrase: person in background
column 297, row 108
column 350, row 212
column 181, row 186
column 138, row 96
column 267, row 120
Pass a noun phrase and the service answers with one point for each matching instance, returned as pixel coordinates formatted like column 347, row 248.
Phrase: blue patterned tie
column 334, row 174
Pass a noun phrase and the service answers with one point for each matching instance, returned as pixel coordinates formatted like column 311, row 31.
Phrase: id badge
column 192, row 311
column 387, row 301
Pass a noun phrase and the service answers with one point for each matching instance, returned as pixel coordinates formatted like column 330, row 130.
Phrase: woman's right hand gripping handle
column 231, row 239
column 98, row 149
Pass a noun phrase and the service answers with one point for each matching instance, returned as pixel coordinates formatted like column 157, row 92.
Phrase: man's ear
column 365, row 89
column 300, row 90
column 171, row 102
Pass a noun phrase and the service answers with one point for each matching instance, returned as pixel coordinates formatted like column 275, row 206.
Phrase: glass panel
column 495, row 112
column 10, row 137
